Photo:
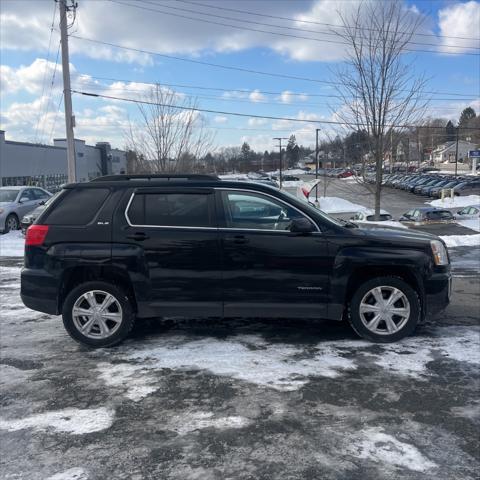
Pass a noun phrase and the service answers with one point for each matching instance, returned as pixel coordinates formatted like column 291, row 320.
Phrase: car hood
column 5, row 204
column 398, row 235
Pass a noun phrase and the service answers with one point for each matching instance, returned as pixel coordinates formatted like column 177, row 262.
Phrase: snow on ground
column 336, row 205
column 70, row 420
column 461, row 240
column 293, row 184
column 75, row 473
column 191, row 421
column 472, row 224
column 456, row 201
column 12, row 244
column 386, row 223
column 383, row 448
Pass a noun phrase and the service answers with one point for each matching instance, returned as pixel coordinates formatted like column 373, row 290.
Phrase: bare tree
column 378, row 88
column 170, row 135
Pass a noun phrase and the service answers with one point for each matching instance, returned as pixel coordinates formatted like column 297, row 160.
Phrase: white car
column 469, row 213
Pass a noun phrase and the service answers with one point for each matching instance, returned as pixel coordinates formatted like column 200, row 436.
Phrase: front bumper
column 39, row 291
column 438, row 290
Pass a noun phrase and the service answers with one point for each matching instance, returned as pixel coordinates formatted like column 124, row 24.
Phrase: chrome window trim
column 223, row 228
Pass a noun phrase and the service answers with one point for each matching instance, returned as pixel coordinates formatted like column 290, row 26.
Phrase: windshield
column 314, row 210
column 8, row 195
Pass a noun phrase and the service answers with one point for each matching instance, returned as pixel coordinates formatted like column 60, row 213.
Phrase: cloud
column 256, row 96
column 459, row 20
column 26, row 26
column 220, row 119
column 257, row 122
column 288, row 97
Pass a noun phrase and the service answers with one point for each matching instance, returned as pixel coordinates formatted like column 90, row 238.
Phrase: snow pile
column 454, row 202
column 12, row 244
column 462, row 240
column 70, row 420
column 75, row 473
column 336, row 205
column 386, row 223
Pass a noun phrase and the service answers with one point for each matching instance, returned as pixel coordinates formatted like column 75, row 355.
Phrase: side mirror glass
column 301, row 225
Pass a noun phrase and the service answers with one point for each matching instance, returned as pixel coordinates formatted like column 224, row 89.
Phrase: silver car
column 15, row 202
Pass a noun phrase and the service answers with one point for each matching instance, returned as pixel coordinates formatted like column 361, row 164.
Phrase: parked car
column 123, row 247
column 467, row 188
column 369, row 216
column 427, row 215
column 472, row 212
column 15, row 202
column 30, row 218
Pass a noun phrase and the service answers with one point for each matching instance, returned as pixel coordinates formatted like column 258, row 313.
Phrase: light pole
column 316, row 152
column 280, row 159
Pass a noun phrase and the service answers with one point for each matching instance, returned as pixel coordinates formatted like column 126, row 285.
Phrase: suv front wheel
column 384, row 309
column 98, row 314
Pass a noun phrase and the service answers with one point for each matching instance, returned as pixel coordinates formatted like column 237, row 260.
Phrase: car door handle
column 138, row 236
column 239, row 239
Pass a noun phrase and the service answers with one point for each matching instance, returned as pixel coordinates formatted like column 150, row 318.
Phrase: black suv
column 123, row 247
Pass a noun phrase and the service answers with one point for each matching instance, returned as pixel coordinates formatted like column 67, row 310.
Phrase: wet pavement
column 241, row 399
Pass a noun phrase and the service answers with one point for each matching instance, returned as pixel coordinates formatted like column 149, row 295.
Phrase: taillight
column 36, row 235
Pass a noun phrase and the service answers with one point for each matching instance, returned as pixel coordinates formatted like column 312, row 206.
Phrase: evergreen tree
column 467, row 114
column 450, row 132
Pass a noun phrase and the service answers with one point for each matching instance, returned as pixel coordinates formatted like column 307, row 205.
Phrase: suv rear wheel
column 98, row 314
column 384, row 309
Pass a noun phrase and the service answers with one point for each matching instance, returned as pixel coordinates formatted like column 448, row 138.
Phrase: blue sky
column 29, row 100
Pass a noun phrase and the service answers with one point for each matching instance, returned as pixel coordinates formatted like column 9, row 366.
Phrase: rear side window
column 77, row 207
column 171, row 210
column 443, row 215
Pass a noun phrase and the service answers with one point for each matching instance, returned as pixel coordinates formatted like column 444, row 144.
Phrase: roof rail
column 166, row 176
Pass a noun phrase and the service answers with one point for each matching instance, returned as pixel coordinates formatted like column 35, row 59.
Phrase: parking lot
column 243, row 399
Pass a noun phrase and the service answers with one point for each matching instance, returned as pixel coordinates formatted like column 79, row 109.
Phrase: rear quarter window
column 77, row 206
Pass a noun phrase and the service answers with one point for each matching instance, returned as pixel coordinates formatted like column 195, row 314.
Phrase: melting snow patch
column 71, row 474
column 274, row 365
column 379, row 447
column 189, row 422
column 70, row 420
column 12, row 244
column 134, row 379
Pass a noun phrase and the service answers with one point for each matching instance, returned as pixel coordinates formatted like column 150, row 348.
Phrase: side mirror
column 42, row 202
column 403, row 218
column 301, row 225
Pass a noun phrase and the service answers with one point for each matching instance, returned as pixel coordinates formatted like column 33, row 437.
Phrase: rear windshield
column 383, row 217
column 77, row 206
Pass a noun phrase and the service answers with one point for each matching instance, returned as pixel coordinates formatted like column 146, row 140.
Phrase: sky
column 230, row 33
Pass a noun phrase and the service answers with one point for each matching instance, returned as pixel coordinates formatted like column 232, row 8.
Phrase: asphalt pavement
column 244, row 399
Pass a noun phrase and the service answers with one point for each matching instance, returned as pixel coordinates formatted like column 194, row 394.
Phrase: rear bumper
column 438, row 290
column 39, row 291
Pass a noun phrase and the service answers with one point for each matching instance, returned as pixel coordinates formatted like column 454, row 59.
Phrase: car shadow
column 292, row 331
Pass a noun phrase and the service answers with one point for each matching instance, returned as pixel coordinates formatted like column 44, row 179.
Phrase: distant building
column 23, row 163
column 446, row 152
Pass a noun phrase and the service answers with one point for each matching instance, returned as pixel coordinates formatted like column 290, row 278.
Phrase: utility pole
column 456, row 151
column 316, row 152
column 280, row 159
column 67, row 92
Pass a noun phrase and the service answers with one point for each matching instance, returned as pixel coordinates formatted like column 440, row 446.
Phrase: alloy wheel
column 384, row 310
column 97, row 314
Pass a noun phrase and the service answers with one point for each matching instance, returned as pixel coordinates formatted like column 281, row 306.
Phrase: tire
column 404, row 313
column 11, row 223
column 107, row 328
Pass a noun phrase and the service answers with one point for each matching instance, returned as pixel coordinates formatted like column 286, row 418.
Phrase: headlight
column 439, row 252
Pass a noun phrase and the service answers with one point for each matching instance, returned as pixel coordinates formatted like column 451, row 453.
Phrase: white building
column 446, row 152
column 23, row 163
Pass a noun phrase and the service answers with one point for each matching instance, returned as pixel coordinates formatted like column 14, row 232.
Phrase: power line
column 236, row 114
column 233, row 99
column 329, row 33
column 270, row 32
column 229, row 67
column 247, row 91
column 311, row 22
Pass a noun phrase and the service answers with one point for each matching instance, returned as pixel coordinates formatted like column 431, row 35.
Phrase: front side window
column 257, row 212
column 171, row 210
